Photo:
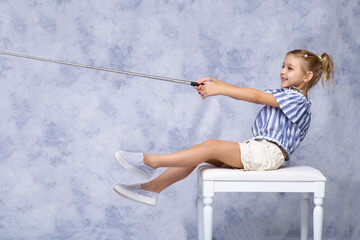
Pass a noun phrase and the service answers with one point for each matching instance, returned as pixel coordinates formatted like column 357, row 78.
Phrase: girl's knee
column 210, row 144
column 209, row 148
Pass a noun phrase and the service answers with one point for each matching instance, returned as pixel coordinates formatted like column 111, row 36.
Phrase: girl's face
column 292, row 73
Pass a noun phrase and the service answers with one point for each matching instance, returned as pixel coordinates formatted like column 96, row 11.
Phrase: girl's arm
column 213, row 87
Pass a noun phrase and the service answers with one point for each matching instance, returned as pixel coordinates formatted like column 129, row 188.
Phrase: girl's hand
column 211, row 87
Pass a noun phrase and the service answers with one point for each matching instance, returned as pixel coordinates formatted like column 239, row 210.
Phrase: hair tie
column 320, row 58
column 305, row 56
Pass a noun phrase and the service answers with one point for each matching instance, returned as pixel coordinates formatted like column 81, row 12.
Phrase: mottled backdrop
column 60, row 125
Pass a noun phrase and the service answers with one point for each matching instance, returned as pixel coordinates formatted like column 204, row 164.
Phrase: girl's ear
column 308, row 76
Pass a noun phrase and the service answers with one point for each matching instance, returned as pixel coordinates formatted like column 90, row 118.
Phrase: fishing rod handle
column 195, row 84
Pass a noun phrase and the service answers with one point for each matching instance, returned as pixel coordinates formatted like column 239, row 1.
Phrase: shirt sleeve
column 271, row 91
column 293, row 105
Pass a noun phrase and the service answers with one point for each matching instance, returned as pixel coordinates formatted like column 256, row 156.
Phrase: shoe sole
column 134, row 197
column 127, row 166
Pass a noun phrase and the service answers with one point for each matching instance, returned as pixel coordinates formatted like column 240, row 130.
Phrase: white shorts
column 260, row 155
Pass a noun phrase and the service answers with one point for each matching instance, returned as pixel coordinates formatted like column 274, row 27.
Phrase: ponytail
column 327, row 65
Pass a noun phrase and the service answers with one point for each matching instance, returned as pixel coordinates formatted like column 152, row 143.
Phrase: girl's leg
column 170, row 176
column 223, row 151
column 181, row 165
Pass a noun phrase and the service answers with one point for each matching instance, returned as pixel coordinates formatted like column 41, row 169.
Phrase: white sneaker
column 136, row 193
column 134, row 162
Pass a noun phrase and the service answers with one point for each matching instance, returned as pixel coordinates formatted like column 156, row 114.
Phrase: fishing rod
column 101, row 68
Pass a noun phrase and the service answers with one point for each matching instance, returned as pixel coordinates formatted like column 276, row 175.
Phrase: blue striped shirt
column 286, row 125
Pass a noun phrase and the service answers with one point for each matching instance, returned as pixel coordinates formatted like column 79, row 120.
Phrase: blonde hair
column 317, row 65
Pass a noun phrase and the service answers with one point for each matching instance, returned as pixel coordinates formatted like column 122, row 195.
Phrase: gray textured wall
column 59, row 126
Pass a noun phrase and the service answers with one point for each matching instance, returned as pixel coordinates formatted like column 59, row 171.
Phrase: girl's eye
column 290, row 68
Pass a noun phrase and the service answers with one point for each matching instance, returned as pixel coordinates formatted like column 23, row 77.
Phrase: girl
column 278, row 129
